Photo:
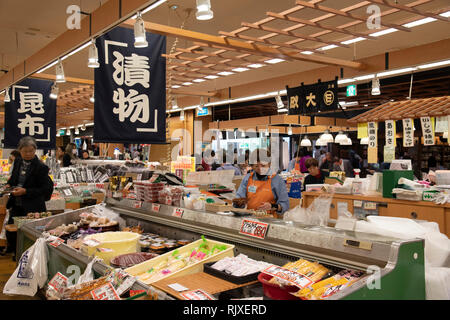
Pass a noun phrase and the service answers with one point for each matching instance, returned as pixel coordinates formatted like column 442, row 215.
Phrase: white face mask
column 264, row 171
column 74, row 151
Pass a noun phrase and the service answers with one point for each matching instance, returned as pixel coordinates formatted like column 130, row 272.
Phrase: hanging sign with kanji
column 372, row 130
column 427, row 131
column 306, row 99
column 390, row 133
column 130, row 89
column 408, row 133
column 32, row 113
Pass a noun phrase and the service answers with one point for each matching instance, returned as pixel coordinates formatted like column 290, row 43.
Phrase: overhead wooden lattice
column 415, row 108
column 203, row 60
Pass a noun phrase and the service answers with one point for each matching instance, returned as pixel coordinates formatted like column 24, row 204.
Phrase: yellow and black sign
column 307, row 99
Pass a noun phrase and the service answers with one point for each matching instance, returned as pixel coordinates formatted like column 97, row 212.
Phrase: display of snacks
column 19, row 221
column 185, row 260
column 63, row 230
column 90, row 220
column 328, row 287
column 312, row 270
column 131, row 259
column 240, row 265
column 171, row 195
column 135, row 229
column 148, row 191
column 183, row 242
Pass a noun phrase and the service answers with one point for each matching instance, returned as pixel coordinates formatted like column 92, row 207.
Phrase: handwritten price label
column 254, row 228
column 178, row 212
column 57, row 242
column 138, row 204
column 106, row 292
column 156, row 207
column 58, row 282
column 297, row 279
column 196, row 295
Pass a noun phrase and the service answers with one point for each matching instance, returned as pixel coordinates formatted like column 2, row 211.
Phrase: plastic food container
column 112, row 244
column 130, row 259
column 275, row 291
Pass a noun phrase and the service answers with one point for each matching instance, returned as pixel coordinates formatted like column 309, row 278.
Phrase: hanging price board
column 254, row 229
column 297, row 279
column 427, row 131
column 178, row 212
column 390, row 133
column 106, row 292
column 372, row 131
column 408, row 133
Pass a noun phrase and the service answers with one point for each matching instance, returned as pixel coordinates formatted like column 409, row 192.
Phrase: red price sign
column 156, row 207
column 178, row 212
column 106, row 292
column 57, row 242
column 254, row 228
column 297, row 279
column 58, row 282
column 138, row 204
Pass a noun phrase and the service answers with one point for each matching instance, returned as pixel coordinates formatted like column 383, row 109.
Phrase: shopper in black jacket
column 31, row 185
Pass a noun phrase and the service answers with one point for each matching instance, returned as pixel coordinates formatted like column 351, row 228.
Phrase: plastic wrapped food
column 131, row 259
column 312, row 270
column 240, row 265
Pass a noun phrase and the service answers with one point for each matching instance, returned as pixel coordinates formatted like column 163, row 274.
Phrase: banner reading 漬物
column 32, row 113
column 306, row 99
column 408, row 133
column 427, row 131
column 130, row 89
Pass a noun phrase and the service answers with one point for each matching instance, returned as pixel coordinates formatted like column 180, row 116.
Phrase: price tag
column 90, row 176
column 106, row 292
column 97, row 176
column 254, row 229
column 76, row 185
column 57, row 242
column 126, row 285
column 156, row 207
column 63, row 178
column 104, row 250
column 91, row 242
column 357, row 203
column 136, row 292
column 138, row 204
column 370, row 206
column 104, row 178
column 67, row 192
column 70, row 177
column 297, row 279
column 177, row 287
column 58, row 282
column 198, row 294
column 139, row 176
column 178, row 212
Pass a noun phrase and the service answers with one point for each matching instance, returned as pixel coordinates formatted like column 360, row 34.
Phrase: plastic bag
column 102, row 211
column 5, row 222
column 317, row 213
column 31, row 271
column 88, row 274
column 437, row 283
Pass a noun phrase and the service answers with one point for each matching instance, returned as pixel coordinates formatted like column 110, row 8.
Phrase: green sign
column 62, row 132
column 351, row 90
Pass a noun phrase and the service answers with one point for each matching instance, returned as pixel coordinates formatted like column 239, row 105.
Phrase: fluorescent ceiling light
column 76, row 50
column 445, row 14
column 419, row 22
column 176, row 87
column 273, row 61
column 306, row 52
column 353, row 40
column 255, row 65
column 383, row 32
column 187, row 83
column 331, row 46
column 342, row 81
column 211, row 77
column 391, row 72
column 366, row 77
column 153, row 6
column 225, row 73
column 282, row 110
column 199, row 80
column 434, row 64
column 47, row 67
column 349, row 104
column 240, row 69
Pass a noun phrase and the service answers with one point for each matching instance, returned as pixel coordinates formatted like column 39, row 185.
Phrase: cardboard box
column 100, row 196
column 73, row 205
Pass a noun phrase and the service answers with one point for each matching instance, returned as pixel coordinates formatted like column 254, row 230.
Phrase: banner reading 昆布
column 130, row 89
column 32, row 113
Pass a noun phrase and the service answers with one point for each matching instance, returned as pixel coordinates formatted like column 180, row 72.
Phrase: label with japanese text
column 137, row 204
column 408, row 133
column 297, row 279
column 58, row 282
column 197, row 294
column 390, row 133
column 156, row 207
column 106, row 292
column 427, row 131
column 178, row 212
column 57, row 242
column 254, row 228
column 372, row 131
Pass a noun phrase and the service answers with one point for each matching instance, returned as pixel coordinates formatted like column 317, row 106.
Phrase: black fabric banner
column 130, row 89
column 32, row 113
column 321, row 96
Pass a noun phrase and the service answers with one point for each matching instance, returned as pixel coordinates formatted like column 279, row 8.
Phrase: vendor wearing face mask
column 70, row 154
column 263, row 189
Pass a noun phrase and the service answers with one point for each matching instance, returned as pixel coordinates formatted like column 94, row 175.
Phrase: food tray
column 137, row 256
column 207, row 268
column 275, row 291
column 194, row 268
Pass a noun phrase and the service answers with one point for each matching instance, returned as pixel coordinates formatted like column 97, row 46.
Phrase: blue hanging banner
column 130, row 89
column 32, row 113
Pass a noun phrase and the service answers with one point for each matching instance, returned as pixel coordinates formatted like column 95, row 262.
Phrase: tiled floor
column 7, row 267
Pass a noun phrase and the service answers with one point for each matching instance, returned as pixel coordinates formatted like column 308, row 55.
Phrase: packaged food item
column 183, row 242
column 312, row 270
column 240, row 266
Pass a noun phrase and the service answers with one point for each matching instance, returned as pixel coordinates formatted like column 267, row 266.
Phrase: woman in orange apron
column 263, row 190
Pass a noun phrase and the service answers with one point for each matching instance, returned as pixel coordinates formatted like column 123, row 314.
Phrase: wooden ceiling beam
column 248, row 47
column 409, row 9
column 68, row 79
column 348, row 15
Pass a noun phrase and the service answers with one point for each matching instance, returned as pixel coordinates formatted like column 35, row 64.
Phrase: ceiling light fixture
column 290, row 130
column 182, row 115
column 176, row 87
column 282, row 110
column 77, row 131
column 93, row 56
column 225, row 73
column 340, row 137
column 255, row 65
column 68, row 132
column 139, row 33
column 7, row 97
column 92, row 99
column 273, row 61
column 280, row 103
column 211, row 77
column 201, row 105
column 240, row 69
column 305, row 142
column 320, row 143
column 83, row 127
column 346, row 142
column 204, row 11
column 199, row 80
column 54, row 92
column 434, row 64
column 60, row 77
column 376, row 87
column 187, row 83
column 327, row 137
column 174, row 103
column 392, row 72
